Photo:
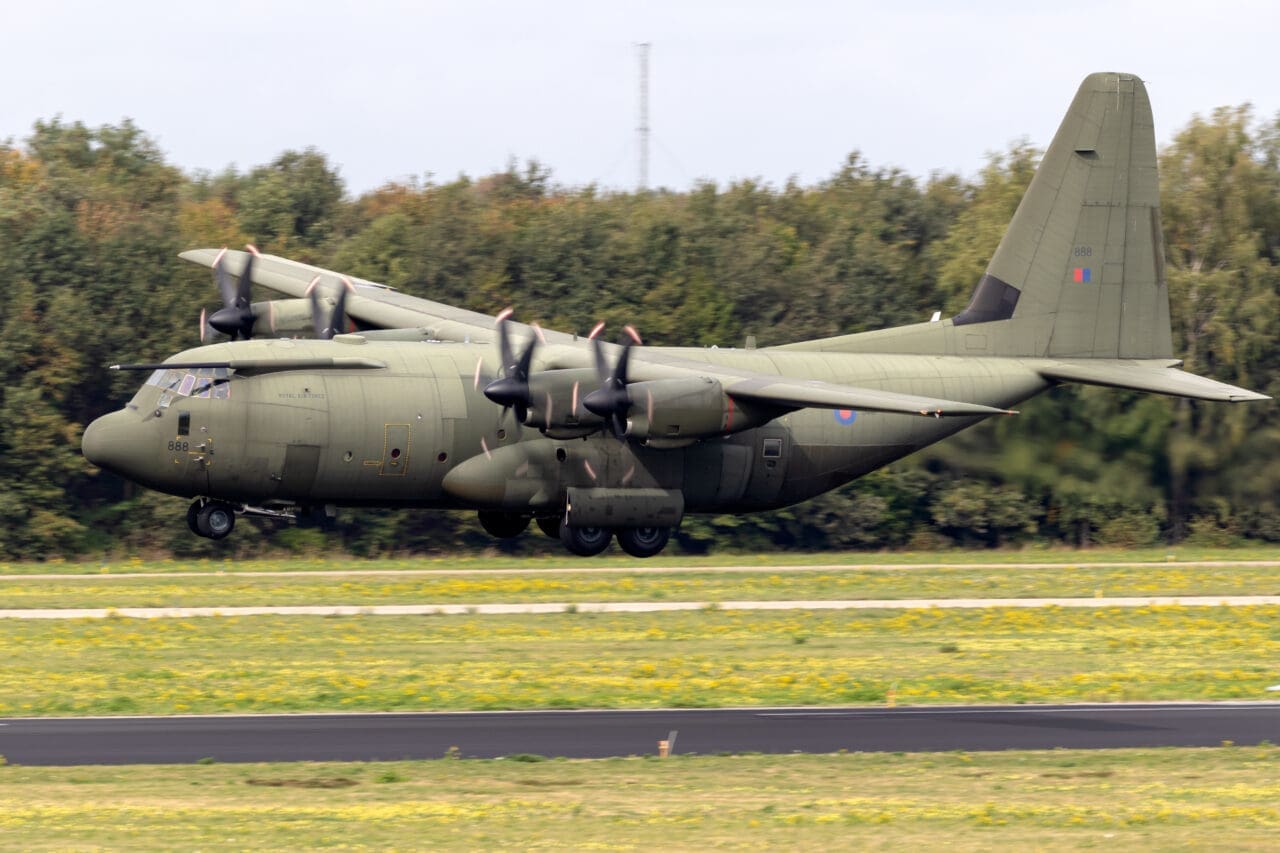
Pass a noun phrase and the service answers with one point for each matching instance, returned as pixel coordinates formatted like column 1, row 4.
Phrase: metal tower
column 643, row 129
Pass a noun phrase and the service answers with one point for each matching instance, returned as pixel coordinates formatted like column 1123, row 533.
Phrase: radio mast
column 642, row 130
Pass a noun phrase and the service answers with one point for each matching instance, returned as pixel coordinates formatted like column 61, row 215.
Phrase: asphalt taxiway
column 601, row 734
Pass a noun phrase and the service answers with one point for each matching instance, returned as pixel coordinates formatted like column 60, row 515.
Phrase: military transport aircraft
column 404, row 402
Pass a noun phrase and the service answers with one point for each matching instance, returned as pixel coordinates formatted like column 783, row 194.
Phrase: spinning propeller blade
column 235, row 317
column 612, row 401
column 328, row 323
column 511, row 388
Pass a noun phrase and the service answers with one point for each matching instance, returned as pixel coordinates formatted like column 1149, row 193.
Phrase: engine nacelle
column 281, row 318
column 665, row 413
column 555, row 402
column 672, row 412
column 674, row 409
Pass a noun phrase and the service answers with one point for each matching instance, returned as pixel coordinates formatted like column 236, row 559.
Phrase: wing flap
column 813, row 394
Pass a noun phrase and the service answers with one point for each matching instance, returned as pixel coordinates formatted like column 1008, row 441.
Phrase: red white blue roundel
column 846, row 416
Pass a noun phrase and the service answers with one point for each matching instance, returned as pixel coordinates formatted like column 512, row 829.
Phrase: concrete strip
column 635, row 607
column 641, row 569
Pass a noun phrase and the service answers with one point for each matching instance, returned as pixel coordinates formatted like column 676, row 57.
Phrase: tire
column 549, row 525
column 503, row 525
column 215, row 520
column 643, row 541
column 191, row 517
column 585, row 541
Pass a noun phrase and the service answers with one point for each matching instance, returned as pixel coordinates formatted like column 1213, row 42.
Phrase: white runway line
column 635, row 607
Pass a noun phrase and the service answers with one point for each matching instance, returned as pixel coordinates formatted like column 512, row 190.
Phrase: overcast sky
column 391, row 90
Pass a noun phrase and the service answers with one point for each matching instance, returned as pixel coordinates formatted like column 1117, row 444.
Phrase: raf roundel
column 846, row 416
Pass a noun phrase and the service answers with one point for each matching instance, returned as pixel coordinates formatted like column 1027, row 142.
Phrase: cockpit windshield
column 209, row 383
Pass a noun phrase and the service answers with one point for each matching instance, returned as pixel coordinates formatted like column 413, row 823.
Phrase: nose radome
column 112, row 442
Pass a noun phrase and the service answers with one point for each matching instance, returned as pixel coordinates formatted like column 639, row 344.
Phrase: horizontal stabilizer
column 813, row 394
column 1154, row 376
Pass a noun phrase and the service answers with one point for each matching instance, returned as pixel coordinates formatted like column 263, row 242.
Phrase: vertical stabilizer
column 1080, row 272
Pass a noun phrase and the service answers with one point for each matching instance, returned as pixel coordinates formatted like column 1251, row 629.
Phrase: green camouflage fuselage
column 391, row 436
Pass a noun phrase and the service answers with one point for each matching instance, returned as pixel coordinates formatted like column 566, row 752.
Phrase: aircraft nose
column 113, row 442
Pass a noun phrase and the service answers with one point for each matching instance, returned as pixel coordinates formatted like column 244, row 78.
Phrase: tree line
column 92, row 220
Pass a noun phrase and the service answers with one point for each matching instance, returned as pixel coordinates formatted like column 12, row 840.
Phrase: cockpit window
column 204, row 382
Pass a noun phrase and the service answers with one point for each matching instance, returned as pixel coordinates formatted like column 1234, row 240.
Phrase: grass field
column 1224, row 799
column 295, row 586
column 617, row 559
column 701, row 658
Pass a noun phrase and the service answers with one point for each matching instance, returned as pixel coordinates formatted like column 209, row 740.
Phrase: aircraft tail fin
column 1080, row 271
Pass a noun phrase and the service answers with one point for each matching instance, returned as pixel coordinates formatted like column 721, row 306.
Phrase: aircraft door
column 187, row 446
column 396, row 450
column 193, row 406
column 771, row 450
column 285, row 432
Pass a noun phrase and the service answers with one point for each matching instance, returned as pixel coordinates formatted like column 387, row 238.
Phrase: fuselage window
column 184, row 423
column 772, row 448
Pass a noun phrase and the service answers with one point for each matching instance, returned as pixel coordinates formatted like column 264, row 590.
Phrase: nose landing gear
column 211, row 519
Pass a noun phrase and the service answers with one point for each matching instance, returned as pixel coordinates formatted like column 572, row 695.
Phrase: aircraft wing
column 376, row 305
column 372, row 304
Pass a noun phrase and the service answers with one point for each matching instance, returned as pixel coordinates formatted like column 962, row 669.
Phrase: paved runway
column 599, row 734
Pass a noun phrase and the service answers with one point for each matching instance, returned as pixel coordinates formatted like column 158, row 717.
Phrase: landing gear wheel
column 643, row 541
column 549, row 525
column 585, row 541
column 215, row 520
column 503, row 525
column 191, row 517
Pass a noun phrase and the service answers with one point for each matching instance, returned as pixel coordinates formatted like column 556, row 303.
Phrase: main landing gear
column 643, row 541
column 211, row 519
column 503, row 525
column 584, row 541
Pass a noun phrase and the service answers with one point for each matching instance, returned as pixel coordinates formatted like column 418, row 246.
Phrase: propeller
column 329, row 323
column 235, row 317
column 511, row 388
column 612, row 401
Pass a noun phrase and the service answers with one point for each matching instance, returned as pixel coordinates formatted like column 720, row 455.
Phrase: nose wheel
column 211, row 519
